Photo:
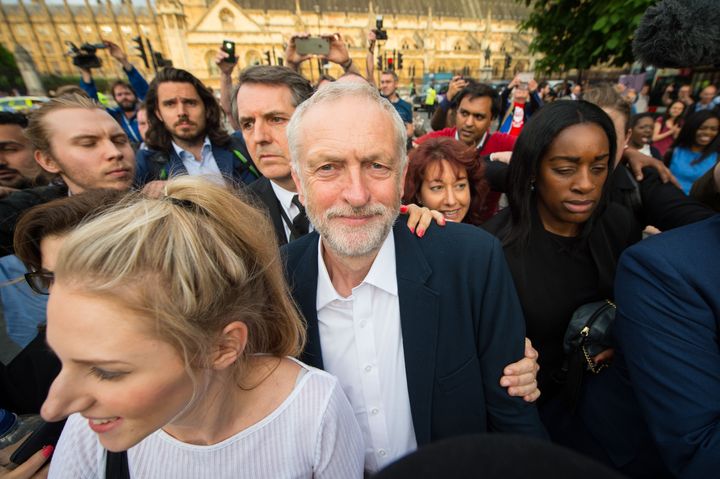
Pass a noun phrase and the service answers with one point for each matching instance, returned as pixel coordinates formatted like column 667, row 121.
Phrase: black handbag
column 589, row 332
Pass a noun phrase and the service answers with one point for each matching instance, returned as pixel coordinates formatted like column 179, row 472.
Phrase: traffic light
column 140, row 47
column 267, row 57
column 391, row 64
column 400, row 61
column 508, row 60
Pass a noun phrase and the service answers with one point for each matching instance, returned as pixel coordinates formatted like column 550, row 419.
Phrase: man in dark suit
column 668, row 322
column 263, row 103
column 417, row 331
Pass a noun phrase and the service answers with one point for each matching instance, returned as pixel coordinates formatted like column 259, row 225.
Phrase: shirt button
column 368, row 368
column 374, row 411
column 382, row 452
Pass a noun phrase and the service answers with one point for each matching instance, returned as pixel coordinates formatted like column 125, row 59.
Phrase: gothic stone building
column 432, row 35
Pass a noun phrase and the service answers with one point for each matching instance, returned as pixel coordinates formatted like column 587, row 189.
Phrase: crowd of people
column 320, row 293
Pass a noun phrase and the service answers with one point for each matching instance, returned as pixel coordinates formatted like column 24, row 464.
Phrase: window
column 48, row 47
column 126, row 29
column 227, row 19
column 213, row 69
column 106, row 29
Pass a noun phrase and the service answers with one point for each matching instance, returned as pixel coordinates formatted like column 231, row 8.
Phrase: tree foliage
column 583, row 33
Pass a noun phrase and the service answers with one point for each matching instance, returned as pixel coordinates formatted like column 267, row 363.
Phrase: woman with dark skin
column 562, row 239
column 695, row 150
column 641, row 127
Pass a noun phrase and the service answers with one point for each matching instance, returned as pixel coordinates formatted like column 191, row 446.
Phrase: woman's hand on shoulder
column 420, row 217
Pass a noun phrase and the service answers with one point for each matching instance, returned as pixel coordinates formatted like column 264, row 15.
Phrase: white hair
column 336, row 91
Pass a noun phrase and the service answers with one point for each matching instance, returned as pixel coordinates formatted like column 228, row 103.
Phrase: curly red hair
column 459, row 156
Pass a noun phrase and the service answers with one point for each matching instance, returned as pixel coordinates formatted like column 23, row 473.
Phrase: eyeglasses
column 40, row 281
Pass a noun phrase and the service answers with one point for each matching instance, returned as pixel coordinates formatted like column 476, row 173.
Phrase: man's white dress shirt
column 361, row 341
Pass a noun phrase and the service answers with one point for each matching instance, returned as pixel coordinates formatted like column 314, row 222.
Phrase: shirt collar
column 284, row 196
column 381, row 275
column 180, row 151
column 480, row 144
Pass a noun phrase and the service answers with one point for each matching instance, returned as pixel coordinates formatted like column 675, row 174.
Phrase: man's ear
column 231, row 345
column 298, row 186
column 47, row 162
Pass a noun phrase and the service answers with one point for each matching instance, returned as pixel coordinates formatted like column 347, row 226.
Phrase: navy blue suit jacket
column 461, row 325
column 668, row 330
column 228, row 163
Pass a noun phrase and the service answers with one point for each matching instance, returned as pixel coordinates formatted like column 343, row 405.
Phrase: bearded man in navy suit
column 418, row 330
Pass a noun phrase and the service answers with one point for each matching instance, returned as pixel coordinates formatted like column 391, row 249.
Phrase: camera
column 380, row 34
column 85, row 56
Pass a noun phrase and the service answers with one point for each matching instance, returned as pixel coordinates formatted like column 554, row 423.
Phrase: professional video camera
column 85, row 56
column 380, row 34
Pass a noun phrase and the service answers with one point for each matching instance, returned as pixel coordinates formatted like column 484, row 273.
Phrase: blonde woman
column 172, row 321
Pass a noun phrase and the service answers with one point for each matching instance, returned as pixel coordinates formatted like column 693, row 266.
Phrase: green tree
column 583, row 33
column 9, row 74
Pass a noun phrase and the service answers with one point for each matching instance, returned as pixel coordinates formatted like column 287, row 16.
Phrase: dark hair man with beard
column 185, row 136
column 127, row 96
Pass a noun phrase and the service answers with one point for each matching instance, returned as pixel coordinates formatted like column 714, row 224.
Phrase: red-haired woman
column 445, row 175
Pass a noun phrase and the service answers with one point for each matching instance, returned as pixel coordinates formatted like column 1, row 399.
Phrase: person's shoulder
column 435, row 134
column 500, row 142
column 297, row 249
column 498, row 223
column 455, row 240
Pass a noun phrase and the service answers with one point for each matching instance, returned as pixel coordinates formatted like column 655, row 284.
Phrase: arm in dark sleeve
column 665, row 206
column 439, row 118
column 89, row 88
column 705, row 190
column 500, row 341
column 668, row 335
column 496, row 174
column 138, row 83
column 534, row 103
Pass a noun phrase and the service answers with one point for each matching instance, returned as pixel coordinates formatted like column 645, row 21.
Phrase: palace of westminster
column 475, row 37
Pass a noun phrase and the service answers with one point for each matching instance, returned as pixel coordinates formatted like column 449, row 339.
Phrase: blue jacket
column 140, row 86
column 668, row 328
column 233, row 161
column 461, row 325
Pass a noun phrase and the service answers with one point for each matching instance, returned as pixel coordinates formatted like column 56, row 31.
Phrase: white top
column 362, row 346
column 312, row 434
column 285, row 199
column 207, row 166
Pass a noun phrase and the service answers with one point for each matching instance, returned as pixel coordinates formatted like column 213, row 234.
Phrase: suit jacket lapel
column 225, row 161
column 305, row 293
column 267, row 195
column 419, row 316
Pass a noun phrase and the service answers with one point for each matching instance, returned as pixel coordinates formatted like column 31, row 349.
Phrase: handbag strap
column 116, row 465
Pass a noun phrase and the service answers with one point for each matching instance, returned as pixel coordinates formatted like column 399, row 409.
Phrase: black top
column 555, row 275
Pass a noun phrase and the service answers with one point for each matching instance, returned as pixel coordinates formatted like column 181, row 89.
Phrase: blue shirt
column 140, row 86
column 686, row 172
column 404, row 109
